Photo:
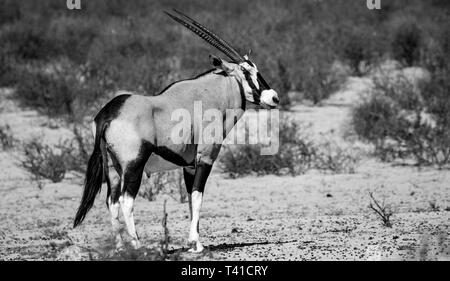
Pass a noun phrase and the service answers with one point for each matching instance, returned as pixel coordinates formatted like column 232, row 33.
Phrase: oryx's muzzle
column 269, row 98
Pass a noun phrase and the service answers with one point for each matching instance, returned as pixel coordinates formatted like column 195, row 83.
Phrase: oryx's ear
column 221, row 64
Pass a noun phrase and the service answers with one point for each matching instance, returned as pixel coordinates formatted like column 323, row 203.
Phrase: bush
column 356, row 48
column 53, row 162
column 9, row 11
column 59, row 90
column 170, row 182
column 374, row 118
column 130, row 45
column 297, row 154
column 6, row 138
column 43, row 161
column 294, row 155
column 77, row 150
column 383, row 211
column 404, row 123
column 406, row 43
column 8, row 75
column 26, row 40
column 335, row 158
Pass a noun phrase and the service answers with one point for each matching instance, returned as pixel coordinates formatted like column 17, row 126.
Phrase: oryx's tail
column 94, row 174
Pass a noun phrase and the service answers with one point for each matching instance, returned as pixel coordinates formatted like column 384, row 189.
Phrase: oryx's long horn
column 207, row 35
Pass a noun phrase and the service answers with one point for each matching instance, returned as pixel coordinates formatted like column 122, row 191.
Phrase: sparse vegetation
column 297, row 154
column 170, row 182
column 383, row 211
column 405, row 121
column 406, row 43
column 6, row 137
column 337, row 159
column 433, row 206
column 108, row 50
column 161, row 252
column 51, row 162
column 43, row 161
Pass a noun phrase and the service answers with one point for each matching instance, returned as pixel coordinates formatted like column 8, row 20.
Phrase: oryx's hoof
column 135, row 244
column 195, row 247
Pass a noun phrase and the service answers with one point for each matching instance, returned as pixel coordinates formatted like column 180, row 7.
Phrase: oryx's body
column 134, row 133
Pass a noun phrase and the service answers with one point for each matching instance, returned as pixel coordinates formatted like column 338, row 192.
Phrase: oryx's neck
column 213, row 89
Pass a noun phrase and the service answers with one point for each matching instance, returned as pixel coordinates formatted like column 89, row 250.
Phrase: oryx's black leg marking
column 132, row 181
column 114, row 188
column 202, row 171
column 188, row 179
column 133, row 172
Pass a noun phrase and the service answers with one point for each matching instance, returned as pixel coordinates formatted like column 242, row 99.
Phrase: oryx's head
column 256, row 89
column 246, row 73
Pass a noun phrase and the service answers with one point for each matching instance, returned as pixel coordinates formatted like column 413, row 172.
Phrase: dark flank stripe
column 171, row 156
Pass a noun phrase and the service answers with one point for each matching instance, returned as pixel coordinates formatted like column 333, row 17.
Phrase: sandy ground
column 310, row 217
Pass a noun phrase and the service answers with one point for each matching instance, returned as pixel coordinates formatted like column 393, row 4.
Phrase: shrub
column 8, row 75
column 43, row 161
column 170, row 182
column 53, row 162
column 294, row 155
column 6, row 138
column 297, row 154
column 374, row 118
column 71, row 37
column 58, row 91
column 335, row 158
column 9, row 11
column 383, row 211
column 26, row 40
column 406, row 43
column 404, row 122
column 319, row 83
column 356, row 48
column 77, row 150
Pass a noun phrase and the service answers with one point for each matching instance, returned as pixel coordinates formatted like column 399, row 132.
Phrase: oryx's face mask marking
column 246, row 73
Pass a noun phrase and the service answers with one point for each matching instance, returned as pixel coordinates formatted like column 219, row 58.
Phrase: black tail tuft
column 94, row 178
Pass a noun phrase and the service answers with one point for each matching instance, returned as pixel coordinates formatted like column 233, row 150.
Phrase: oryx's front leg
column 202, row 172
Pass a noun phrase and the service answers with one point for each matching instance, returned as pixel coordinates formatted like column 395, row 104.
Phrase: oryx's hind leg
column 113, row 181
column 132, row 177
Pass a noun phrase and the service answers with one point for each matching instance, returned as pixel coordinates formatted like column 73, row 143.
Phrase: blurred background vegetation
column 133, row 45
column 67, row 63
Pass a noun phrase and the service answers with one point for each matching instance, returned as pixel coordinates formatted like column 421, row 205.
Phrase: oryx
column 134, row 133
